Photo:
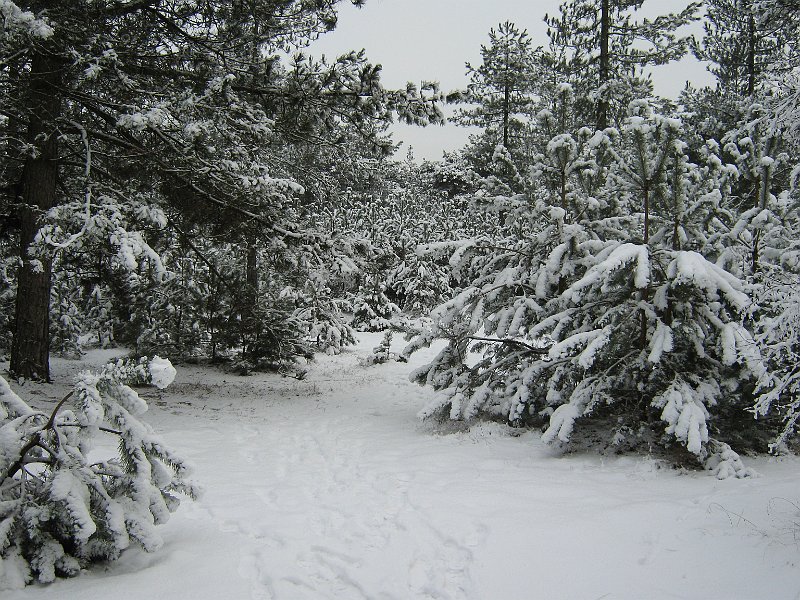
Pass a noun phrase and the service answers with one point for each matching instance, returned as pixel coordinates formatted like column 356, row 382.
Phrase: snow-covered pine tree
column 777, row 225
column 759, row 151
column 778, row 332
column 751, row 47
column 738, row 50
column 198, row 129
column 7, row 291
column 382, row 352
column 776, row 316
column 605, row 311
column 420, row 215
column 372, row 308
column 321, row 315
column 94, row 254
column 421, row 281
column 503, row 87
column 387, row 214
column 61, row 510
column 67, row 324
column 783, row 102
column 600, row 48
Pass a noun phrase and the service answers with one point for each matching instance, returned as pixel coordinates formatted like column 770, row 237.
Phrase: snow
column 162, row 373
column 66, row 488
column 587, row 357
column 562, row 423
column 692, row 268
column 616, row 259
column 662, row 342
column 16, row 18
column 330, row 488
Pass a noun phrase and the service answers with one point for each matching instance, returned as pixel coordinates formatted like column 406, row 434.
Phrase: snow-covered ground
column 330, row 488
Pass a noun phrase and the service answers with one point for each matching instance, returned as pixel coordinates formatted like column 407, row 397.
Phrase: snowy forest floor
column 330, row 488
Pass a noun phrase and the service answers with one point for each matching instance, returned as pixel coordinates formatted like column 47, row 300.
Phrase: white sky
column 422, row 40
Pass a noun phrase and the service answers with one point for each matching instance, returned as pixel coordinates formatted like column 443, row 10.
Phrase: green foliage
column 163, row 136
column 61, row 511
column 372, row 309
column 743, row 44
column 602, row 49
column 382, row 352
column 598, row 309
column 502, row 89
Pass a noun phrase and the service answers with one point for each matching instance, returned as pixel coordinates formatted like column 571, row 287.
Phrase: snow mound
column 162, row 373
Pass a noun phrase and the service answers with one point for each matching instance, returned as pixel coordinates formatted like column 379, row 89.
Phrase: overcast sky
column 421, row 40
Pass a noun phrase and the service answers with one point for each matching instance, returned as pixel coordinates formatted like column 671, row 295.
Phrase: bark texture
column 30, row 348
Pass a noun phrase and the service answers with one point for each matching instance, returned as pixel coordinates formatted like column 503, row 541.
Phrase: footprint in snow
column 253, row 567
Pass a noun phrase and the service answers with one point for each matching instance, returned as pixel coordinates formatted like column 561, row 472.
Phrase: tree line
column 187, row 181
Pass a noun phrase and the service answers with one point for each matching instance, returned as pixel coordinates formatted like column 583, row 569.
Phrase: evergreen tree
column 602, row 306
column 183, row 106
column 783, row 88
column 740, row 46
column 61, row 510
column 601, row 49
column 503, row 86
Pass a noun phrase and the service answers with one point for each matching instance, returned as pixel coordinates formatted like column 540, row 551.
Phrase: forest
column 599, row 269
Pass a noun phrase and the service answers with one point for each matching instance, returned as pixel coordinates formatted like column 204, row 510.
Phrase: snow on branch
column 16, row 18
column 691, row 268
column 620, row 256
column 59, row 511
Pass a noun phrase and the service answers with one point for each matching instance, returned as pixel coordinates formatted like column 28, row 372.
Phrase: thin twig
column 52, row 419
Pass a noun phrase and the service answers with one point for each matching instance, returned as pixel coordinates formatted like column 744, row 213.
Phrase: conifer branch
column 511, row 342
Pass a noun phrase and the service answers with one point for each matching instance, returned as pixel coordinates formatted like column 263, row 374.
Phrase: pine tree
column 739, row 45
column 599, row 48
column 192, row 122
column 60, row 510
column 602, row 306
column 503, row 86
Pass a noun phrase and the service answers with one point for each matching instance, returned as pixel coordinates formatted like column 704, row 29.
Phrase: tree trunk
column 30, row 347
column 605, row 61
column 506, row 113
column 751, row 55
column 646, row 232
column 252, row 272
column 251, row 326
column 763, row 187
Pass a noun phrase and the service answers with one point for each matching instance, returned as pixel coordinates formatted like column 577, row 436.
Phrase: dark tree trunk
column 763, row 187
column 251, row 274
column 30, row 348
column 605, row 62
column 646, row 232
column 506, row 113
column 751, row 55
column 251, row 327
